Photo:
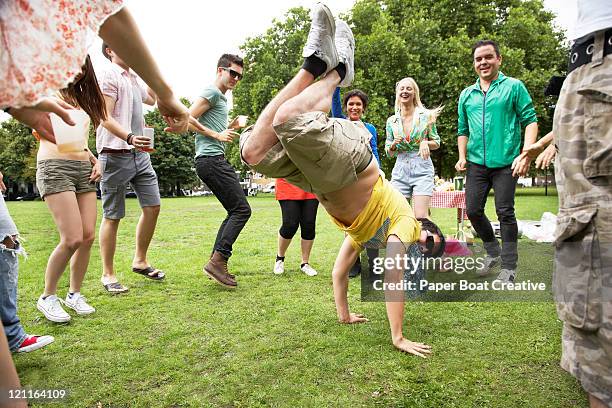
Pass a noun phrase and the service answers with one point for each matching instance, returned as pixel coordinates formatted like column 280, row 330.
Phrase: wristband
column 129, row 138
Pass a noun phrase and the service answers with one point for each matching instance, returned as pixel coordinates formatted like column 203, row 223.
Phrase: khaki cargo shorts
column 316, row 153
column 59, row 175
column 583, row 257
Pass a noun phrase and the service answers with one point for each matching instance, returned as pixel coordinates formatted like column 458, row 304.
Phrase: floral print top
column 410, row 142
column 43, row 45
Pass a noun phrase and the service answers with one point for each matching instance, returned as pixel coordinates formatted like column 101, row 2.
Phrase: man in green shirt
column 492, row 113
column 214, row 170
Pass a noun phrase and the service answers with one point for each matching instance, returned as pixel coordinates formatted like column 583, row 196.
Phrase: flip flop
column 148, row 271
column 115, row 287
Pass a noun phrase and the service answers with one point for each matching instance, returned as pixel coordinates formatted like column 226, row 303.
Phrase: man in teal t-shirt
column 492, row 113
column 211, row 110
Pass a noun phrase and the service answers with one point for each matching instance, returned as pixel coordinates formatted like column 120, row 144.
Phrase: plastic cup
column 459, row 183
column 242, row 120
column 71, row 138
column 150, row 133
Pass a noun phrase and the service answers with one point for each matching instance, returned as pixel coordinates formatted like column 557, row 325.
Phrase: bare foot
column 411, row 347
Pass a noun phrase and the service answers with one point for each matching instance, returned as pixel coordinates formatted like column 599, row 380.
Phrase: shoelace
column 55, row 305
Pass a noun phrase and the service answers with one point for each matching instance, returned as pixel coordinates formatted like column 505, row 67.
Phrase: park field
column 275, row 341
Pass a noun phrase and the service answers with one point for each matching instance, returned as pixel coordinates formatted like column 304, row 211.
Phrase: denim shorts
column 119, row 169
column 58, row 175
column 412, row 175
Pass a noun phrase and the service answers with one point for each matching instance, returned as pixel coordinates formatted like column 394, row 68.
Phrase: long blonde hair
column 432, row 114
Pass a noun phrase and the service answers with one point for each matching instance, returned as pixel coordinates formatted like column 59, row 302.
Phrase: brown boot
column 216, row 269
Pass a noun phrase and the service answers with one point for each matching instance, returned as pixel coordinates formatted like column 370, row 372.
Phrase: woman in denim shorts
column 411, row 135
column 67, row 183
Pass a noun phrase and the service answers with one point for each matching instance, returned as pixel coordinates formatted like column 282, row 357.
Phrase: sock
column 71, row 294
column 302, row 265
column 316, row 66
column 280, row 258
column 341, row 68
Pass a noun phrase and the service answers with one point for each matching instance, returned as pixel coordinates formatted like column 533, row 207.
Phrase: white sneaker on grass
column 488, row 264
column 79, row 304
column 279, row 267
column 320, row 41
column 52, row 309
column 506, row 276
column 308, row 270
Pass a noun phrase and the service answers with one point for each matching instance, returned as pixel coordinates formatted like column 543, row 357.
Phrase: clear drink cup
column 71, row 138
column 150, row 133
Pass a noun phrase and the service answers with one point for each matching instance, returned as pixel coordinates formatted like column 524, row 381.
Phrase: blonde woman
column 411, row 136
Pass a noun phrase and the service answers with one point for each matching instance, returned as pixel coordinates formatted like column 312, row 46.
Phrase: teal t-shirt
column 214, row 118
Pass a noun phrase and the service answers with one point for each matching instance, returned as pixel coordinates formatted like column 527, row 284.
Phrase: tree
column 17, row 151
column 173, row 155
column 429, row 40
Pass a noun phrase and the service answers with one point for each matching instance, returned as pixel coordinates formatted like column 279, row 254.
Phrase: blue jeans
column 9, row 269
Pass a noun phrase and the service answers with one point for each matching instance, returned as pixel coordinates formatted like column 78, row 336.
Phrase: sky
column 187, row 37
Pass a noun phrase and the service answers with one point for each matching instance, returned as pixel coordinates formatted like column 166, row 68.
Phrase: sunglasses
column 233, row 74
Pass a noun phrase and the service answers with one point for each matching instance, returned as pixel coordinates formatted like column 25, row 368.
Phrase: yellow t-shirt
column 386, row 213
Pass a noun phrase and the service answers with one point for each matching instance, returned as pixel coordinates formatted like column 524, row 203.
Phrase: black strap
column 582, row 53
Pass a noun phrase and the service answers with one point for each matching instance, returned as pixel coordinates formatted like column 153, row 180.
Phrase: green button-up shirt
column 493, row 120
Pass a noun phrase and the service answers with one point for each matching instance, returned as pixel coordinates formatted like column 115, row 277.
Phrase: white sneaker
column 506, row 276
column 52, row 309
column 345, row 45
column 488, row 264
column 320, row 42
column 279, row 267
column 308, row 270
column 79, row 304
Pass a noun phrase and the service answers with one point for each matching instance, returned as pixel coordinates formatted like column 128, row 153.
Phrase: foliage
column 429, row 40
column 173, row 156
column 17, row 151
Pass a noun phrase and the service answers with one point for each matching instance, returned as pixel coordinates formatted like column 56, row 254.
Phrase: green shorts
column 58, row 175
column 316, row 153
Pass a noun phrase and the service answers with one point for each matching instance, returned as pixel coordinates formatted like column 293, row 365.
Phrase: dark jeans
column 480, row 180
column 302, row 213
column 221, row 179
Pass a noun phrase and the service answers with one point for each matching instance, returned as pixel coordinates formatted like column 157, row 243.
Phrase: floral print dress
column 43, row 45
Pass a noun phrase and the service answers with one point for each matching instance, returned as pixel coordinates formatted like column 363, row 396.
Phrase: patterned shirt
column 43, row 45
column 410, row 142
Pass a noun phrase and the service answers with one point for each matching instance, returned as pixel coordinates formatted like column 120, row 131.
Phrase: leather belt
column 116, row 151
column 582, row 53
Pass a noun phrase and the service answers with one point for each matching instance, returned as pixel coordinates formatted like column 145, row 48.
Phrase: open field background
column 274, row 341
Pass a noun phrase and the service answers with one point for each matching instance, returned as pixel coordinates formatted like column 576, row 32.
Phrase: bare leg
column 144, row 234
column 306, row 248
column 80, row 260
column 263, row 136
column 316, row 98
column 395, row 302
column 65, row 211
column 283, row 244
column 595, row 402
column 421, row 206
column 300, row 95
column 9, row 379
column 108, row 244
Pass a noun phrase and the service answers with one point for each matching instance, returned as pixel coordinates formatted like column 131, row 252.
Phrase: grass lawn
column 274, row 341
